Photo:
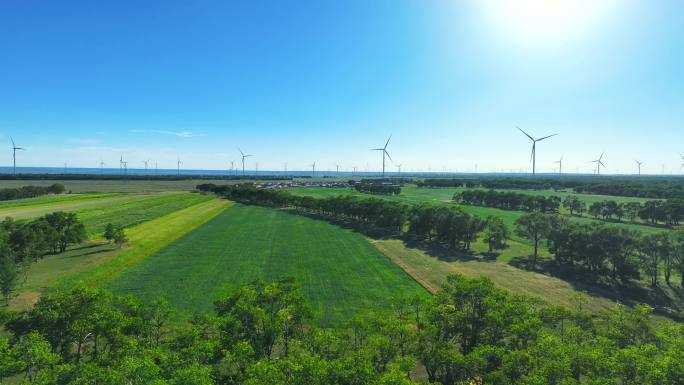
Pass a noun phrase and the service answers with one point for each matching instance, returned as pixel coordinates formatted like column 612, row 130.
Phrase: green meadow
column 341, row 273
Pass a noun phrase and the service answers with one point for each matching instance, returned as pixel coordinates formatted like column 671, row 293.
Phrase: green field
column 518, row 247
column 96, row 210
column 97, row 262
column 413, row 194
column 133, row 212
column 341, row 273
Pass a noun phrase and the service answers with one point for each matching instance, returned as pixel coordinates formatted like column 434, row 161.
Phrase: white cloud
column 180, row 134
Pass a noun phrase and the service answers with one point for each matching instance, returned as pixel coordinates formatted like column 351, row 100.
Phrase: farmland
column 94, row 263
column 518, row 247
column 340, row 272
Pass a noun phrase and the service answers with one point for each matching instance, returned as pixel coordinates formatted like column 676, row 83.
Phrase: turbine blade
column 526, row 134
column 13, row 145
column 388, row 155
column 546, row 137
column 388, row 139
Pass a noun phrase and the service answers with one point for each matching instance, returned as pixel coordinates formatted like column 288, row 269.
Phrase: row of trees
column 661, row 187
column 22, row 243
column 7, row 194
column 509, row 200
column 377, row 188
column 469, row 333
column 450, row 225
column 668, row 212
column 605, row 251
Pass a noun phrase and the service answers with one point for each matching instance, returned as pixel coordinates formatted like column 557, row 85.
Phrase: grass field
column 35, row 207
column 413, row 194
column 133, row 212
column 118, row 186
column 518, row 247
column 340, row 271
column 95, row 263
column 96, row 210
column 431, row 268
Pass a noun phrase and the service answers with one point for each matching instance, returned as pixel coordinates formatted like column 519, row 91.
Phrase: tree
column 653, row 249
column 495, row 233
column 9, row 277
column 119, row 236
column 37, row 357
column 68, row 228
column 109, row 232
column 534, row 226
column 263, row 314
column 573, row 204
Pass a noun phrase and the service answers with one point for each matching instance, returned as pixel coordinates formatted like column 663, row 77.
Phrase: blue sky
column 323, row 80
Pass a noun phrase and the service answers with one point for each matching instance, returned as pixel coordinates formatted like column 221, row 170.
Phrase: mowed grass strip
column 133, row 212
column 341, row 273
column 432, row 272
column 145, row 240
column 35, row 207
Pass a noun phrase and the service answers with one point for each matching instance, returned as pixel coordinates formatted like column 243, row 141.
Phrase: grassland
column 96, row 210
column 341, row 273
column 118, row 186
column 133, row 212
column 518, row 247
column 96, row 263
column 431, row 266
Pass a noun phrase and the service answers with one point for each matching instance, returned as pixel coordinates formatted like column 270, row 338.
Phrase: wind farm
column 195, row 197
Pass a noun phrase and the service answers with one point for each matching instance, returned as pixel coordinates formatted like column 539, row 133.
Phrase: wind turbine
column 313, row 169
column 102, row 163
column 146, row 162
column 384, row 152
column 398, row 166
column 639, row 165
column 14, row 156
column 533, row 157
column 599, row 163
column 178, row 164
column 560, row 165
column 337, row 170
column 243, row 160
column 682, row 166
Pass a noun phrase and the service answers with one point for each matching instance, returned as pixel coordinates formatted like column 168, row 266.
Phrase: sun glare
column 542, row 22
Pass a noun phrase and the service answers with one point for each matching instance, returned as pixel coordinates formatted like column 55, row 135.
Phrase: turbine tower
column 560, row 165
column 146, row 162
column 639, row 166
column 243, row 160
column 384, row 152
column 398, row 166
column 313, row 170
column 599, row 163
column 533, row 157
column 682, row 166
column 178, row 164
column 14, row 156
column 102, row 163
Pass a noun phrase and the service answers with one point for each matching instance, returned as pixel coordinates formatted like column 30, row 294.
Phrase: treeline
column 149, row 176
column 377, row 189
column 22, row 243
column 646, row 187
column 7, row 194
column 509, row 200
column 668, row 212
column 605, row 251
column 470, row 333
column 450, row 225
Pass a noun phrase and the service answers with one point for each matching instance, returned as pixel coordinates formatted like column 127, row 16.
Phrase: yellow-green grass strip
column 146, row 239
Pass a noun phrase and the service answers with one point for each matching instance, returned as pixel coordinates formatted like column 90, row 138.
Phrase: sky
column 326, row 80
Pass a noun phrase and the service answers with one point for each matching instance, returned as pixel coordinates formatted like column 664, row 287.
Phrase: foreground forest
column 469, row 333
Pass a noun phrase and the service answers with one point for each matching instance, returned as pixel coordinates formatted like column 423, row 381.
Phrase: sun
column 542, row 22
